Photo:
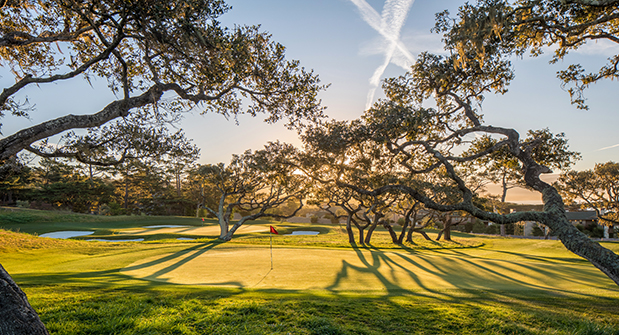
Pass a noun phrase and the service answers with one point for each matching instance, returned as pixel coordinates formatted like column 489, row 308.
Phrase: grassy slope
column 78, row 287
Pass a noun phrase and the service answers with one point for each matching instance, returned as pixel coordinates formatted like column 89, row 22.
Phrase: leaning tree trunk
column 573, row 239
column 394, row 236
column 577, row 242
column 17, row 317
column 371, row 229
column 402, row 233
column 351, row 234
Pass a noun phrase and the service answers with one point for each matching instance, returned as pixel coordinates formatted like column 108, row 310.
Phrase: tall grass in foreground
column 180, row 310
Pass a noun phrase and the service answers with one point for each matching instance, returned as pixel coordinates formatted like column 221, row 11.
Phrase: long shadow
column 180, row 253
column 205, row 247
column 502, row 273
column 390, row 286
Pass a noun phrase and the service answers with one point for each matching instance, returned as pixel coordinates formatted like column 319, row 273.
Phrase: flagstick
column 271, row 239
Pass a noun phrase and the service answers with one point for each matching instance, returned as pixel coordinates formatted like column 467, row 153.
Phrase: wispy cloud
column 388, row 25
column 599, row 47
column 605, row 148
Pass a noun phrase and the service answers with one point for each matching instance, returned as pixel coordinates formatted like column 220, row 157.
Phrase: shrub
column 314, row 219
column 537, row 231
column 23, row 204
column 468, row 227
column 479, row 227
column 492, row 229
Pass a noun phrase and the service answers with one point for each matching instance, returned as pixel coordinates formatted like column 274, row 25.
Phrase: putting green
column 363, row 269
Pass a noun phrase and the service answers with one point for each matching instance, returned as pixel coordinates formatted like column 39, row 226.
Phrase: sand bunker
column 191, row 230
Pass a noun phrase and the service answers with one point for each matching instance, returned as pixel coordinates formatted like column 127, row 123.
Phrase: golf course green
column 318, row 284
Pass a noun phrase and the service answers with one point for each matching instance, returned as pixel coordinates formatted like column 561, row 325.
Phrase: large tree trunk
column 223, row 228
column 17, row 317
column 573, row 239
column 446, row 231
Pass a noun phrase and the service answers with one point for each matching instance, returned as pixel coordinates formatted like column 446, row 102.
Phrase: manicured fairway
column 318, row 285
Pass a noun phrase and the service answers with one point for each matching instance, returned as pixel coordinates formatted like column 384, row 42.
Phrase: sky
column 352, row 45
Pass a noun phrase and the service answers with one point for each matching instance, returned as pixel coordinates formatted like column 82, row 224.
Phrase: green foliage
column 468, row 226
column 499, row 29
column 331, row 218
column 314, row 219
column 537, row 231
column 16, row 217
column 478, row 227
column 595, row 188
column 21, row 216
column 142, row 51
column 591, row 230
column 492, row 229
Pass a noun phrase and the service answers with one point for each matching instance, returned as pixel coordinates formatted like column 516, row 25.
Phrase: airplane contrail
column 387, row 25
column 371, row 17
column 612, row 146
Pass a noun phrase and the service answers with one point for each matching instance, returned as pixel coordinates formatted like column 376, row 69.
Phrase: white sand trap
column 67, row 234
column 303, row 269
column 104, row 240
column 165, row 226
column 191, row 230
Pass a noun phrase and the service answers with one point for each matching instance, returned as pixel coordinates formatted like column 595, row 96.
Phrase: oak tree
column 143, row 49
column 254, row 184
column 596, row 188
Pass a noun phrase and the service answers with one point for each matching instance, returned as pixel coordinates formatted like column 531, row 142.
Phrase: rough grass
column 180, row 310
column 80, row 287
column 11, row 216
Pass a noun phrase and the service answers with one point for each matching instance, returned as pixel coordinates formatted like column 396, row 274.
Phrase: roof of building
column 581, row 216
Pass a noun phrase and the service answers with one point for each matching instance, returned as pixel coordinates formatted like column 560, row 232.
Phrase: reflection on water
column 67, row 234
column 185, row 238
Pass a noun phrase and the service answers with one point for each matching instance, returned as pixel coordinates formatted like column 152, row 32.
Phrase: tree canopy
column 143, row 49
column 430, row 118
column 596, row 188
column 501, row 28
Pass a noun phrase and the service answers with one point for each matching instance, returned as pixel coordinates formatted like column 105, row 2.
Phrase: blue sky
column 338, row 40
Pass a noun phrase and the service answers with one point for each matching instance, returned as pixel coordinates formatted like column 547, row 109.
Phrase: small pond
column 166, row 226
column 303, row 232
column 185, row 238
column 129, row 240
column 67, row 234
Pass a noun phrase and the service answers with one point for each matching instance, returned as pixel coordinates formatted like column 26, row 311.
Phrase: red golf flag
column 273, row 230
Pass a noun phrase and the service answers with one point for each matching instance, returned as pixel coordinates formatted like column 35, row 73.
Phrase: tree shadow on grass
column 458, row 271
column 116, row 276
